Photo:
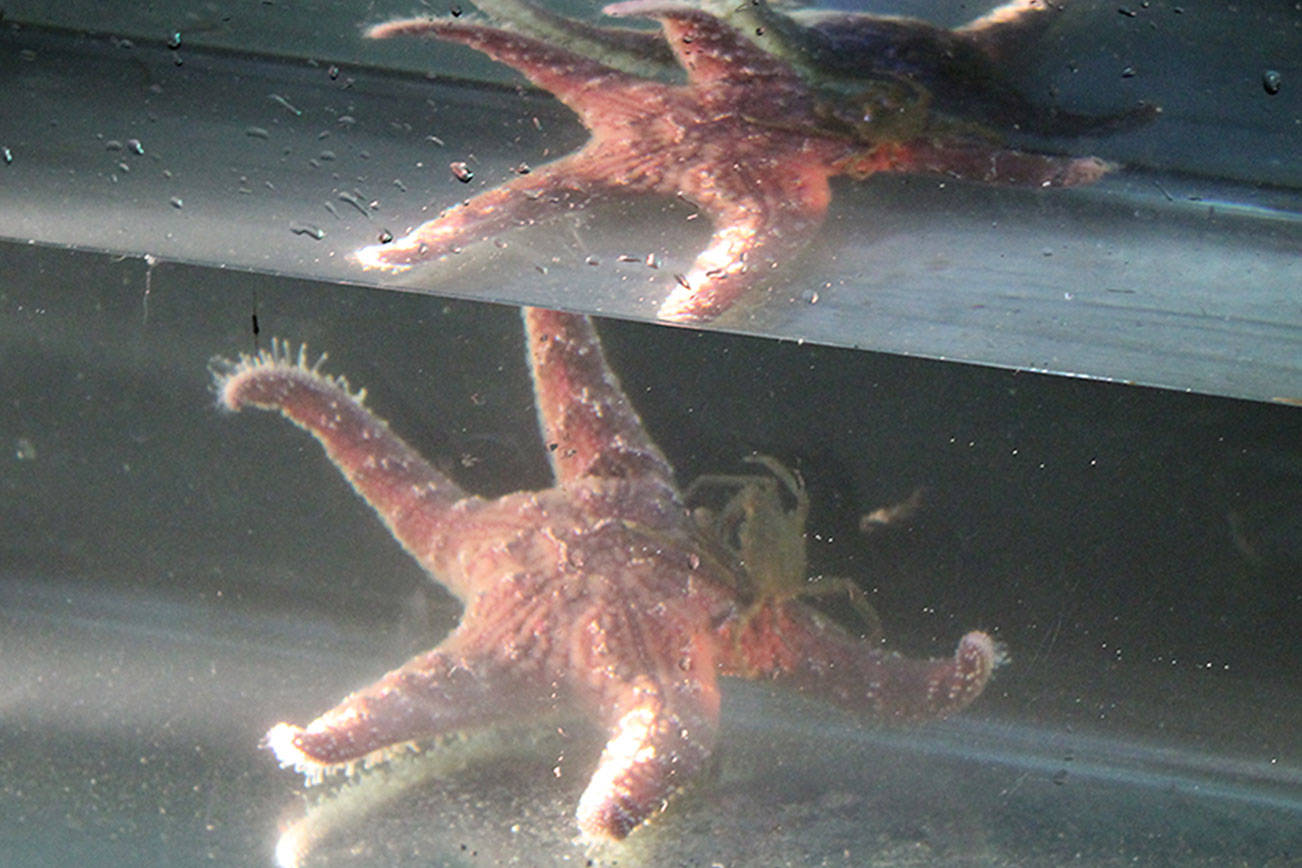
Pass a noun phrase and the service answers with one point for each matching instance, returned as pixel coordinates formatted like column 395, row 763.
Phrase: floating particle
column 1270, row 81
column 7, row 155
column 281, row 101
column 311, row 231
column 24, row 449
column 174, row 41
column 356, row 201
column 257, row 132
column 177, row 202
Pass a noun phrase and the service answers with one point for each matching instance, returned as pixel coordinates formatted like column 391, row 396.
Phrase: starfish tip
column 981, row 651
column 379, row 257
column 280, row 741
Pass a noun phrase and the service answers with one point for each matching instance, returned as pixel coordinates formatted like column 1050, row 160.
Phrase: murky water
column 175, row 579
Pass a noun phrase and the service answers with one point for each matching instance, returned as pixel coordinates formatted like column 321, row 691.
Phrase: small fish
column 894, row 515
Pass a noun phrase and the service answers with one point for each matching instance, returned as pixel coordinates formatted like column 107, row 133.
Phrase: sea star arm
column 570, row 77
column 760, row 218
column 518, row 202
column 420, row 505
column 436, row 693
column 976, row 161
column 588, row 424
column 765, row 204
column 785, row 641
column 663, row 735
column 568, row 183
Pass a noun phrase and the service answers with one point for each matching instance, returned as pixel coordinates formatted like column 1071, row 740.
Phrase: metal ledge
column 245, row 162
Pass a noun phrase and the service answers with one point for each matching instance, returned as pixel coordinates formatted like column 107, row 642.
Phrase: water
column 174, row 579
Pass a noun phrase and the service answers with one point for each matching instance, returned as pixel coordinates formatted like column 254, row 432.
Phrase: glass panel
column 274, row 138
column 175, row 579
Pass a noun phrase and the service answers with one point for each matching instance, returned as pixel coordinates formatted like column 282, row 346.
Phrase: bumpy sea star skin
column 746, row 140
column 599, row 595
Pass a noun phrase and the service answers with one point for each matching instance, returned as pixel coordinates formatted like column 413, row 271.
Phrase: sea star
column 600, row 595
column 965, row 71
column 746, row 139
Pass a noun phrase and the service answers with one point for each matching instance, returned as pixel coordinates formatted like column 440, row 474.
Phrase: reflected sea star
column 746, row 139
column 601, row 595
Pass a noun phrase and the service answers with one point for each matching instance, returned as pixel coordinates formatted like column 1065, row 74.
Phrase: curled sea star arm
column 410, row 495
column 588, row 424
column 420, row 505
column 785, row 641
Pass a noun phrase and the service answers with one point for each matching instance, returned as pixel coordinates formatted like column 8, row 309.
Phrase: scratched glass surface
column 277, row 139
column 175, row 579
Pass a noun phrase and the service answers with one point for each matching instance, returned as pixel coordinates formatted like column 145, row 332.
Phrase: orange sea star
column 746, row 139
column 600, row 595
